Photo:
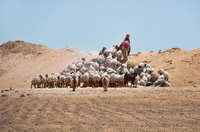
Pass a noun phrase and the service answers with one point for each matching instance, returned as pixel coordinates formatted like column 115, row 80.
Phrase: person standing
column 125, row 47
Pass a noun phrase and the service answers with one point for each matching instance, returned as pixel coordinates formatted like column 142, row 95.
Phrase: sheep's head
column 160, row 71
column 74, row 76
column 102, row 51
column 46, row 76
column 40, row 76
column 116, row 46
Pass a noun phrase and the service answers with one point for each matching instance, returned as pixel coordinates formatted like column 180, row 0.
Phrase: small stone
column 22, row 95
column 4, row 95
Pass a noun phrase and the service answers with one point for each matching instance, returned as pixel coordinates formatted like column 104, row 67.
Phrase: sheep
column 100, row 60
column 142, row 82
column 90, row 78
column 46, row 81
column 131, row 63
column 78, row 74
column 154, row 77
column 87, row 64
column 34, row 82
column 96, row 79
column 37, row 81
column 83, row 69
column 102, row 51
column 159, row 81
column 119, row 55
column 133, row 78
column 105, row 83
column 126, row 78
column 164, row 73
column 114, row 64
column 113, row 50
column 102, row 68
column 108, row 60
column 79, row 65
column 73, row 67
column 162, row 83
column 60, row 81
column 91, row 68
column 166, row 84
column 51, row 80
column 120, row 80
column 67, row 80
column 113, row 80
column 110, row 70
column 85, row 79
column 149, row 69
column 122, row 69
column 95, row 65
column 74, row 82
column 138, row 70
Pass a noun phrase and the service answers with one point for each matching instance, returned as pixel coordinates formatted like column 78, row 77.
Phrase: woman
column 125, row 47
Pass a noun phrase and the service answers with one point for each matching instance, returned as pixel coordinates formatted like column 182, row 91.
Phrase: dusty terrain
column 90, row 109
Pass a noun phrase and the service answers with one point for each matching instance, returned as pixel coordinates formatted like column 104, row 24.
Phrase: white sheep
column 159, row 81
column 79, row 64
column 34, row 82
column 73, row 67
column 101, row 60
column 37, row 81
column 114, row 64
column 108, row 60
column 51, row 80
column 96, row 79
column 164, row 73
column 112, row 80
column 110, row 70
column 67, row 79
column 120, row 80
column 119, row 55
column 162, row 83
column 60, row 81
column 122, row 69
column 95, row 65
column 85, row 79
column 45, row 81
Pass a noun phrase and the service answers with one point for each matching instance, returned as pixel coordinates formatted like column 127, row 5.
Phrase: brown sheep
column 105, row 82
column 74, row 82
column 132, row 78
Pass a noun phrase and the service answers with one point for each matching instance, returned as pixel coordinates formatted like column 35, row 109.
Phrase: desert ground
column 90, row 109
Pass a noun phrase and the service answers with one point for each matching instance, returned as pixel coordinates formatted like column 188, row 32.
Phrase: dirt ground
column 90, row 109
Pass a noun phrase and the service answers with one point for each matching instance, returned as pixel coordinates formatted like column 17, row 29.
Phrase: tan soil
column 90, row 109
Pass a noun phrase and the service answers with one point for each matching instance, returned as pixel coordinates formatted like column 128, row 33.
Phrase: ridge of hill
column 21, row 61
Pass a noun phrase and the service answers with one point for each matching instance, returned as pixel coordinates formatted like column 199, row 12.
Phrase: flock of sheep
column 109, row 69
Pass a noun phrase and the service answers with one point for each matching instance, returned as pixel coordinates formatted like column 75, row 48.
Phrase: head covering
column 127, row 36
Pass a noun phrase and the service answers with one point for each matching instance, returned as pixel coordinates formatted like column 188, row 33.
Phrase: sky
column 89, row 25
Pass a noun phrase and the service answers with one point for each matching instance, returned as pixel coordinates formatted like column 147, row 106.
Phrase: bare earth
column 90, row 109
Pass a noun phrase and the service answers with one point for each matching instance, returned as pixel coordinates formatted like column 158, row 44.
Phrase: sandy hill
column 21, row 61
